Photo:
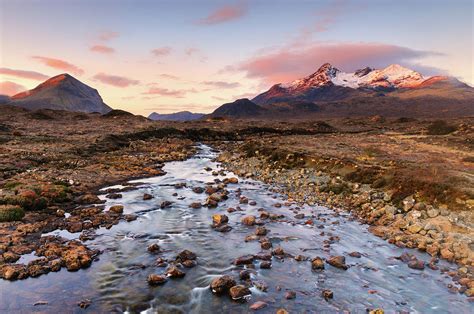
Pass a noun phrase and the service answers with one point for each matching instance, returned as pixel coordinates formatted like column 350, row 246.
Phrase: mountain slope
column 392, row 91
column 62, row 92
column 241, row 108
column 176, row 116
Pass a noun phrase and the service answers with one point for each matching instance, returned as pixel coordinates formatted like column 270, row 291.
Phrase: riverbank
column 353, row 173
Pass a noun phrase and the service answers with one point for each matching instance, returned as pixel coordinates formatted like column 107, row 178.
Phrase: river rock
column 223, row 228
column 266, row 245
column 317, row 263
column 258, row 305
column 219, row 219
column 195, row 205
column 338, row 261
column 155, row 279
column 261, row 231
column 153, row 248
column 222, row 284
column 239, row 292
column 290, row 295
column 147, row 196
column 174, row 272
column 117, row 209
column 266, row 265
column 244, row 260
column 355, row 254
column 327, row 294
column 248, row 220
column 244, row 275
column 186, row 255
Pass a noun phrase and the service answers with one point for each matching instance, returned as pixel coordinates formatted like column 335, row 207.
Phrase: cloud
column 10, row 88
column 179, row 93
column 24, row 74
column 102, row 49
column 221, row 84
column 115, row 80
column 161, row 51
column 288, row 63
column 191, row 50
column 169, row 76
column 224, row 14
column 108, row 35
column 59, row 65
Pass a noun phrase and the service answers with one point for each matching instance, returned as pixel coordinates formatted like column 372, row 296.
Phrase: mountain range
column 61, row 92
column 176, row 116
column 329, row 92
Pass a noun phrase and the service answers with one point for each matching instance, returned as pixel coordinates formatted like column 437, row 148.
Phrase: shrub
column 440, row 127
column 11, row 213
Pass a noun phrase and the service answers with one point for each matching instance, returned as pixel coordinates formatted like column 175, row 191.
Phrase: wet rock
column 174, row 272
column 154, row 248
column 317, row 263
column 195, row 205
column 114, row 196
column 222, row 284
column 266, row 265
column 76, row 257
column 239, row 292
column 231, row 210
column 74, row 227
column 219, row 219
column 301, row 258
column 223, row 228
column 355, row 254
column 155, row 279
column 338, row 262
column 327, row 294
column 147, row 197
column 252, row 203
column 165, row 204
column 244, row 275
column 299, row 216
column 290, row 295
column 130, row 217
column 261, row 231
column 198, row 189
column 186, row 255
column 117, row 209
column 189, row 263
column 264, row 215
column 416, row 264
column 278, row 251
column 161, row 262
column 264, row 256
column 258, row 305
column 266, row 245
column 281, row 311
column 10, row 257
column 233, row 180
column 84, row 304
column 248, row 220
column 244, row 260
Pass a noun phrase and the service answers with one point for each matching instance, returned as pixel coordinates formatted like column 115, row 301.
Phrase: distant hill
column 177, row 116
column 329, row 92
column 62, row 92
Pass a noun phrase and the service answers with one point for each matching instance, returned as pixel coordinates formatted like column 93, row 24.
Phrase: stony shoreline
column 416, row 225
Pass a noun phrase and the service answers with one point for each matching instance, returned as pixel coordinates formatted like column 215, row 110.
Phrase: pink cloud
column 224, row 14
column 108, row 35
column 290, row 62
column 102, row 49
column 221, row 84
column 191, row 50
column 10, row 88
column 162, row 51
column 114, row 80
column 169, row 76
column 59, row 65
column 24, row 74
column 179, row 93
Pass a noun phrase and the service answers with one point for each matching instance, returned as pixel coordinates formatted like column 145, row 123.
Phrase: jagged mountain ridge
column 176, row 116
column 61, row 92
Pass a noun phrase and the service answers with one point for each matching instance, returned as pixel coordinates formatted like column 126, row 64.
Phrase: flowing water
column 117, row 282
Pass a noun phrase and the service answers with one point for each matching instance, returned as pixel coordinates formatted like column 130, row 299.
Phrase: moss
column 11, row 185
column 440, row 127
column 11, row 213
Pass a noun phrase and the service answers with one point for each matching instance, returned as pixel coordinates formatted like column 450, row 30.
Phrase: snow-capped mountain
column 329, row 83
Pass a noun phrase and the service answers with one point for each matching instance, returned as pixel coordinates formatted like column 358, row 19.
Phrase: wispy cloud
column 107, row 35
column 32, row 75
column 176, row 93
column 290, row 62
column 10, row 88
column 170, row 76
column 224, row 14
column 102, row 49
column 162, row 51
column 221, row 84
column 115, row 80
column 59, row 64
column 191, row 51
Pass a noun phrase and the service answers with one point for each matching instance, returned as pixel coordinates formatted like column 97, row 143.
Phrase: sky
column 165, row 56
